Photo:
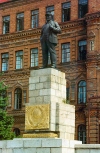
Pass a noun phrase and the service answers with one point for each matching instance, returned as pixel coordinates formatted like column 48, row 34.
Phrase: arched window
column 18, row 98
column 16, row 131
column 82, row 92
column 82, row 133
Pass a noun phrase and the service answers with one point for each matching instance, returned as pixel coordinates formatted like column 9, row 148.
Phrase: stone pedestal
column 38, row 145
column 46, row 113
column 47, row 86
column 49, row 122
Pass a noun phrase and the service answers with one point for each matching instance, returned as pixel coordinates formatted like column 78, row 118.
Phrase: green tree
column 6, row 121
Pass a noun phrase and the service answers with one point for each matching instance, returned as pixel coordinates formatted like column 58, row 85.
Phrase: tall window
column 66, row 11
column 82, row 92
column 35, row 18
column 67, row 92
column 82, row 49
column 6, row 24
column 20, row 21
column 82, row 133
column 65, row 52
column 51, row 10
column 4, row 60
column 18, row 98
column 91, row 45
column 19, row 60
column 82, row 7
column 24, row 96
column 34, row 57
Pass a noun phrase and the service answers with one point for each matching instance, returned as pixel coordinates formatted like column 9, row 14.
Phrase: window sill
column 4, row 71
column 64, row 63
column 16, row 109
column 81, row 103
column 34, row 68
column 18, row 69
column 6, row 33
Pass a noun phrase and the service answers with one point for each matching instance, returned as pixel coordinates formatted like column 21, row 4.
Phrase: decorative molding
column 91, row 34
column 17, row 112
column 16, row 3
column 22, row 34
column 71, row 24
column 92, row 16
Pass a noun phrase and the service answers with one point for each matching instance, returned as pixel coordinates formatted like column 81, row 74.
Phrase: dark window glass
column 82, row 92
column 82, row 133
column 82, row 49
column 51, row 10
column 66, row 11
column 20, row 21
column 67, row 91
column 65, row 52
column 18, row 98
column 19, row 60
column 16, row 131
column 34, row 57
column 6, row 24
column 83, row 7
column 35, row 18
column 5, row 60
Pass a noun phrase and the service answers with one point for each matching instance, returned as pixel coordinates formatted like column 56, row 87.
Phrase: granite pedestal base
column 39, row 145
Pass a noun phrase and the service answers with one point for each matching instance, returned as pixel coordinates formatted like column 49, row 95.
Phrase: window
column 82, row 7
column 91, row 45
column 35, row 18
column 67, row 92
column 34, row 57
column 65, row 12
column 82, row 49
column 65, row 52
column 4, row 60
column 19, row 60
column 82, row 92
column 51, row 10
column 20, row 21
column 18, row 98
column 16, row 131
column 82, row 133
column 24, row 96
column 6, row 24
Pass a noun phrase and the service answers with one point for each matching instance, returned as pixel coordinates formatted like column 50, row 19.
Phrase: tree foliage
column 6, row 121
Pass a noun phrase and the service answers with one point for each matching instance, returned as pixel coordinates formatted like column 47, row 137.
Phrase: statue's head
column 48, row 16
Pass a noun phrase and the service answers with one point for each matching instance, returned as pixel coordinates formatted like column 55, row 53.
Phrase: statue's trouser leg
column 44, row 53
column 51, row 48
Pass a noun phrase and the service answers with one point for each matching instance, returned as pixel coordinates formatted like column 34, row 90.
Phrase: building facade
column 78, row 55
